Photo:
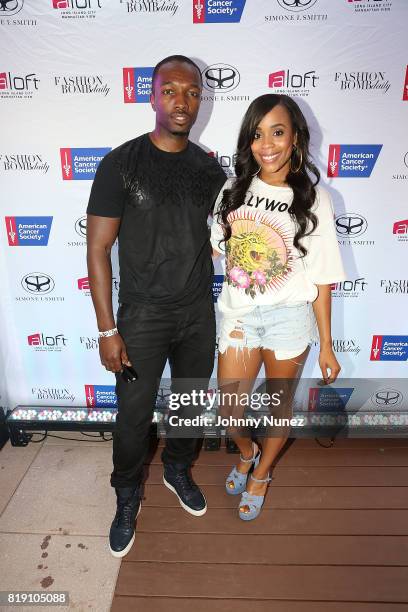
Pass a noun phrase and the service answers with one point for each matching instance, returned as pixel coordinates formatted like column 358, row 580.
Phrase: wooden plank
column 270, row 549
column 306, row 522
column 312, row 457
column 166, row 604
column 305, row 476
column 293, row 497
column 387, row 584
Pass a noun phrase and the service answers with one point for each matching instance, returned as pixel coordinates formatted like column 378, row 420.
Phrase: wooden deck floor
column 332, row 537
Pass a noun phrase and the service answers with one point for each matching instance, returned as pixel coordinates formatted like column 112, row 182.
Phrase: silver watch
column 109, row 332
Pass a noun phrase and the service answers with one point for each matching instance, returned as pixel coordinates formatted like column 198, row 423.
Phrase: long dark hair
column 302, row 185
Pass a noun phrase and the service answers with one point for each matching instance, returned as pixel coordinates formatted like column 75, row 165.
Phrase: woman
column 276, row 229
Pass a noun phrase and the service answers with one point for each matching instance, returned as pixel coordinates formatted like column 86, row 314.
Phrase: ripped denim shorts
column 286, row 329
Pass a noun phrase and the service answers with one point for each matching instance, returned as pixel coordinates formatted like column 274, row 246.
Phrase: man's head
column 176, row 94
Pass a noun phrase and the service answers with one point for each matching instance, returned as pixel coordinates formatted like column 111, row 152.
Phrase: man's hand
column 112, row 351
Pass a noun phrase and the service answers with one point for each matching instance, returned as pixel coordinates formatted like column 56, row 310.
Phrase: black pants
column 152, row 334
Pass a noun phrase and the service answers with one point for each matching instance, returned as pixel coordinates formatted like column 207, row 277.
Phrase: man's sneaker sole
column 182, row 504
column 121, row 553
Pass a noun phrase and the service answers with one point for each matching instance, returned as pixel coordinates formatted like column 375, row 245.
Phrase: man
column 155, row 193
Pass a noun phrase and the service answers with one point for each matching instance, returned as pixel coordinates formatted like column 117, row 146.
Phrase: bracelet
column 109, row 332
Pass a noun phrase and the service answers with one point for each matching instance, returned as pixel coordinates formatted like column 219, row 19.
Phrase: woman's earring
column 301, row 160
column 257, row 172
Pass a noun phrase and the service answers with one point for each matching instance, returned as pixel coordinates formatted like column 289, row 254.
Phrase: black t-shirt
column 163, row 200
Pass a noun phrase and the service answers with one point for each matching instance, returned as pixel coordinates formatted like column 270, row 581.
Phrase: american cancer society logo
column 352, row 161
column 81, row 164
column 389, row 348
column 137, row 84
column 325, row 399
column 217, row 11
column 100, row 395
column 28, row 231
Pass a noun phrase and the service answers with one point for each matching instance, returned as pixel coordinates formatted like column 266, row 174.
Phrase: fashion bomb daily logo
column 82, row 84
column 77, row 9
column 217, row 11
column 389, row 348
column 28, row 231
column 400, row 230
column 137, row 84
column 42, row 342
column 363, row 81
column 394, row 286
column 352, row 161
column 79, row 164
column 52, row 394
column 163, row 7
column 100, row 395
column 296, row 11
column 18, row 86
column 23, row 162
column 293, row 84
column 371, row 6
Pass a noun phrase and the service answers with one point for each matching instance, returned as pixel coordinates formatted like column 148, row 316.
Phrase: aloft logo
column 28, row 231
column 16, row 86
column 100, row 395
column 80, row 164
column 217, row 11
column 405, row 90
column 389, row 348
column 42, row 342
column 137, row 84
column 400, row 229
column 352, row 161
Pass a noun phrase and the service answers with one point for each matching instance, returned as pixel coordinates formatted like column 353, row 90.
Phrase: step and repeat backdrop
column 75, row 79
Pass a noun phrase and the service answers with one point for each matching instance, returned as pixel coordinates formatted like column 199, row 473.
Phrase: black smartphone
column 128, row 373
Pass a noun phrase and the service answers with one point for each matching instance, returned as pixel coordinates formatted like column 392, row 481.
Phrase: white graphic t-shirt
column 262, row 266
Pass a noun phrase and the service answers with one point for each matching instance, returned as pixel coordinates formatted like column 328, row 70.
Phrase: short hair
column 175, row 58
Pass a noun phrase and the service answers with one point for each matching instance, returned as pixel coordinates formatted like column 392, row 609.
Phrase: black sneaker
column 177, row 478
column 122, row 531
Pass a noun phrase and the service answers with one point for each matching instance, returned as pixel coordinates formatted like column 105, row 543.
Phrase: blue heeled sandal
column 239, row 480
column 254, row 502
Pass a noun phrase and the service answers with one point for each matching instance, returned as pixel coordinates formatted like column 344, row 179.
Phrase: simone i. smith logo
column 137, row 84
column 81, row 164
column 100, row 395
column 220, row 78
column 10, row 7
column 217, row 11
column 389, row 348
column 352, row 161
column 28, row 231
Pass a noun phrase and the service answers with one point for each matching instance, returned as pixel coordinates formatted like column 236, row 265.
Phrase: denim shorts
column 286, row 329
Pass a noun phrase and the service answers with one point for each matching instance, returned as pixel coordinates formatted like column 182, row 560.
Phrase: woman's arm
column 322, row 310
column 215, row 253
